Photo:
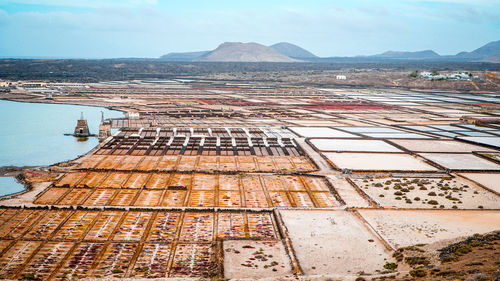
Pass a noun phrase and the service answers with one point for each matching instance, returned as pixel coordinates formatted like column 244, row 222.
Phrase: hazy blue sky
column 150, row 28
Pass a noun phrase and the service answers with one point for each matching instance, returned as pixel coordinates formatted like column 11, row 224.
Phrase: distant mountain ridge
column 183, row 56
column 292, row 50
column 488, row 50
column 244, row 52
column 492, row 59
column 427, row 54
column 287, row 52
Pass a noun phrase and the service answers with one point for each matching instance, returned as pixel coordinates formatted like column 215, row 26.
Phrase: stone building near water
column 104, row 128
column 82, row 128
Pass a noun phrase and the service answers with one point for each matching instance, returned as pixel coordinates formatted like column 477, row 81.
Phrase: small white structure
column 460, row 76
column 454, row 76
column 425, row 74
column 133, row 115
column 341, row 77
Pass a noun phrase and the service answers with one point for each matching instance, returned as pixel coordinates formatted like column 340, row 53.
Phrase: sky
column 151, row 28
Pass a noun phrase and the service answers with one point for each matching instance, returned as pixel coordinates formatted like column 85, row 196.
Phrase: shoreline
column 17, row 171
column 17, row 174
column 112, row 107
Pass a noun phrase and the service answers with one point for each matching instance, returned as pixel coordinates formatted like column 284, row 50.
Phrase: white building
column 133, row 115
column 455, row 76
column 459, row 76
column 425, row 74
column 341, row 77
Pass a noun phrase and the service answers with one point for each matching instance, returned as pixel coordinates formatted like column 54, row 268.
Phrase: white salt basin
column 353, row 145
column 439, row 146
column 460, row 161
column 378, row 161
column 491, row 181
column 321, row 132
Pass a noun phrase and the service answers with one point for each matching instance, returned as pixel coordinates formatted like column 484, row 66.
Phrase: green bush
column 418, row 273
column 391, row 265
column 414, row 260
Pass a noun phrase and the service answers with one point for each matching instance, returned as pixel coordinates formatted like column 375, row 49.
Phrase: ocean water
column 9, row 185
column 32, row 134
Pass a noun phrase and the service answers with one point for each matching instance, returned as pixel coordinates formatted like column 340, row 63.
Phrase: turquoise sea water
column 32, row 134
column 9, row 185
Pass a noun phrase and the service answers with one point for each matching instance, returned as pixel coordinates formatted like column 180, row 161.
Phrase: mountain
column 286, row 52
column 492, row 59
column 292, row 51
column 244, row 52
column 189, row 56
column 427, row 54
column 488, row 50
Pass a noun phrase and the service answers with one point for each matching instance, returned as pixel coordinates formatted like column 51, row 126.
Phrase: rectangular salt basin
column 420, row 128
column 396, row 135
column 403, row 228
column 471, row 126
column 379, row 162
column 493, row 141
column 312, row 122
column 476, row 134
column 460, row 161
column 321, row 132
column 371, row 130
column 326, row 241
column 448, row 128
column 418, row 192
column 445, row 134
column 353, row 145
column 238, row 252
column 439, row 146
column 491, row 181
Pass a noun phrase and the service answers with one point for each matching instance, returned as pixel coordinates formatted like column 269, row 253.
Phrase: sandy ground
column 323, row 166
column 419, row 193
column 255, row 259
column 404, row 228
column 353, row 145
column 347, row 192
column 327, row 242
column 460, row 161
column 491, row 181
column 382, row 161
column 439, row 146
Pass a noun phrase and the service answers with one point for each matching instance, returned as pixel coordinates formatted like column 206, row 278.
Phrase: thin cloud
column 146, row 28
column 92, row 4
